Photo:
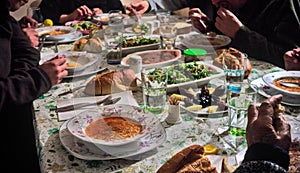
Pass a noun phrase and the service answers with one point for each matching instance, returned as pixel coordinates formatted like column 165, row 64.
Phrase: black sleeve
column 267, row 152
column 21, row 80
column 51, row 9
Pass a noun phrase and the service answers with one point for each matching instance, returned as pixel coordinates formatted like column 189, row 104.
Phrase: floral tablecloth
column 55, row 158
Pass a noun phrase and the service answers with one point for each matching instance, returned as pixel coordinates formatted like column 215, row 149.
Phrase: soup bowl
column 113, row 125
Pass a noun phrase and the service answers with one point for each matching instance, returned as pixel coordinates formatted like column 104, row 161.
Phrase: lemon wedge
column 48, row 22
column 210, row 149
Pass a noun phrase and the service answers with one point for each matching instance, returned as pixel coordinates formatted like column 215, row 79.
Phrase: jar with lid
column 194, row 54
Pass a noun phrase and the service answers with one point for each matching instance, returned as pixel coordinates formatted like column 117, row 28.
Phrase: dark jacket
column 264, row 158
column 53, row 9
column 21, row 82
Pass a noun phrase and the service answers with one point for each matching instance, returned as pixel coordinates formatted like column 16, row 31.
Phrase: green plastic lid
column 195, row 52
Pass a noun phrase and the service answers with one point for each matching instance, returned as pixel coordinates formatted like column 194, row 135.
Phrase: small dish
column 85, row 27
column 102, row 18
column 81, row 126
column 272, row 79
column 56, row 33
column 204, row 41
column 155, row 58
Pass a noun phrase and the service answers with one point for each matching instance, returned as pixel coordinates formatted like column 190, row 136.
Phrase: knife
column 80, row 105
column 71, row 90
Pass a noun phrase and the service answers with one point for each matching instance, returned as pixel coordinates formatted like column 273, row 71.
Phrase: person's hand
column 28, row 21
column 292, row 59
column 199, row 20
column 267, row 125
column 140, row 7
column 32, row 35
column 55, row 68
column 81, row 12
column 227, row 22
column 97, row 11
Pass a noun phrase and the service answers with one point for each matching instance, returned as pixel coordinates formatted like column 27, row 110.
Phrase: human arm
column 28, row 26
column 200, row 20
column 292, row 59
column 268, row 137
column 78, row 14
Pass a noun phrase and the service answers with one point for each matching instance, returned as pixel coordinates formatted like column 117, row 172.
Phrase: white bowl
column 150, row 55
column 147, row 120
column 78, row 61
column 67, row 31
column 102, row 18
column 270, row 78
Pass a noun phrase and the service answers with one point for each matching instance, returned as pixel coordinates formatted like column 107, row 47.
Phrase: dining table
column 55, row 157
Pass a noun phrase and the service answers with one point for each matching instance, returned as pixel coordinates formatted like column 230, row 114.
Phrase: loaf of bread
column 234, row 53
column 93, row 45
column 188, row 160
column 111, row 82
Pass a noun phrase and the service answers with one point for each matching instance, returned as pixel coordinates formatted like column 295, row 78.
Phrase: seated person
column 62, row 11
column 265, row 31
column 268, row 138
column 292, row 59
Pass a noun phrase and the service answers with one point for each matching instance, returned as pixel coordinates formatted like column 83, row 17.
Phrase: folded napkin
column 126, row 98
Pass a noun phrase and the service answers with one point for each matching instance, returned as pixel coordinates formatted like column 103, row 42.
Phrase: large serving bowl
column 274, row 80
column 113, row 125
column 56, row 33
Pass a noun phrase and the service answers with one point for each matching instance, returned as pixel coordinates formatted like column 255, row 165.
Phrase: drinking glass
column 35, row 13
column 163, row 16
column 154, row 91
column 239, row 96
column 168, row 36
column 234, row 65
column 113, row 43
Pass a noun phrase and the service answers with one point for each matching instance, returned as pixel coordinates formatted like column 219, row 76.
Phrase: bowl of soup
column 55, row 33
column 113, row 125
column 276, row 81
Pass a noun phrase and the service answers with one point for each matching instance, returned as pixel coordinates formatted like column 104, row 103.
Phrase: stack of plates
column 78, row 143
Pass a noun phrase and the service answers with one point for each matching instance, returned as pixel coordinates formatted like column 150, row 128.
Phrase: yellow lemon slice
column 48, row 22
column 210, row 149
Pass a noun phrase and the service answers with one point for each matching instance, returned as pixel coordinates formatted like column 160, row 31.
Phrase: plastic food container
column 194, row 54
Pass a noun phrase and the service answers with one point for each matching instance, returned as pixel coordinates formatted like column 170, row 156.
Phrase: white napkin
column 126, row 98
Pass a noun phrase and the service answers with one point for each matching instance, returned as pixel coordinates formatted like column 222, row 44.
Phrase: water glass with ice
column 154, row 91
column 239, row 96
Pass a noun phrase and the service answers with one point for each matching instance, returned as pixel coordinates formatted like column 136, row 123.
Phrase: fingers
column 283, row 130
column 266, row 109
column 194, row 10
column 252, row 113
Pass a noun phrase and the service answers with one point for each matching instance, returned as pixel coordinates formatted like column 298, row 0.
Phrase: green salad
column 185, row 72
column 138, row 41
column 82, row 26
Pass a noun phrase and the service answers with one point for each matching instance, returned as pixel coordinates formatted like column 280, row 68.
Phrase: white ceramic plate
column 77, row 125
column 44, row 30
column 83, row 59
column 202, row 41
column 204, row 114
column 70, row 38
column 152, row 52
column 270, row 78
column 266, row 91
column 199, row 82
column 133, row 49
column 89, row 151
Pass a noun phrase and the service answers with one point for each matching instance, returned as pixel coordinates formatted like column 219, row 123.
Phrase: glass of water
column 239, row 96
column 155, row 90
column 113, row 43
column 168, row 36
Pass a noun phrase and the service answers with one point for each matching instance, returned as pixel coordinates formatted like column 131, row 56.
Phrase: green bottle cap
column 195, row 52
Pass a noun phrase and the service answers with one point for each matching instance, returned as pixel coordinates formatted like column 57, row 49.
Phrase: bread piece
column 111, row 82
column 236, row 53
column 93, row 45
column 79, row 44
column 201, row 165
column 191, row 156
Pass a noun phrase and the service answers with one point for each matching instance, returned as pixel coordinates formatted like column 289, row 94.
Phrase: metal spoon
column 290, row 84
column 42, row 41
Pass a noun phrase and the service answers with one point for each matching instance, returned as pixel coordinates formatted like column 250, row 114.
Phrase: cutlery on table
column 290, row 84
column 107, row 101
column 71, row 90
